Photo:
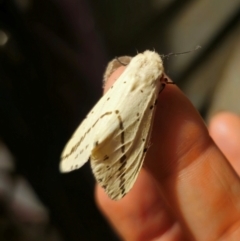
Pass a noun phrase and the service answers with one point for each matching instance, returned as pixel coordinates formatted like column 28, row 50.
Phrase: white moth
column 116, row 132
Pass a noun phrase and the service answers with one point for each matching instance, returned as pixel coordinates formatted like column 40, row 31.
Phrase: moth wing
column 78, row 149
column 116, row 134
column 116, row 162
column 118, row 156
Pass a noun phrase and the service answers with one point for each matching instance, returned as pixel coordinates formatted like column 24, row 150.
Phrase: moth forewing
column 78, row 149
column 116, row 132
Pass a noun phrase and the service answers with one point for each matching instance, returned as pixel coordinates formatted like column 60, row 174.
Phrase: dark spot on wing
column 123, row 159
column 122, row 181
column 122, row 166
column 122, row 133
column 105, row 157
column 120, row 175
column 114, row 197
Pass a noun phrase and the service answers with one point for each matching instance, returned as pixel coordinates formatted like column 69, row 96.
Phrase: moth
column 115, row 134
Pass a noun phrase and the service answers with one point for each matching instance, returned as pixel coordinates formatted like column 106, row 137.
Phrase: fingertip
column 224, row 128
column 222, row 123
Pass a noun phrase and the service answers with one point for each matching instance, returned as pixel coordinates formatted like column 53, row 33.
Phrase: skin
column 188, row 188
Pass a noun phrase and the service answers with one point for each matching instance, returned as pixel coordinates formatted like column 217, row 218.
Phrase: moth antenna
column 117, row 58
column 180, row 53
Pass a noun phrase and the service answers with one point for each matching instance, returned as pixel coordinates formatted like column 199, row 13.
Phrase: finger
column 224, row 128
column 195, row 178
column 137, row 216
column 141, row 214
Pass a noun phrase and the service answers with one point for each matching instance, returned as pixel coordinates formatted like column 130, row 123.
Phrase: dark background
column 52, row 57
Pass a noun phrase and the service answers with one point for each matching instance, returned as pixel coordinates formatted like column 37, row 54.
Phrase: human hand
column 187, row 189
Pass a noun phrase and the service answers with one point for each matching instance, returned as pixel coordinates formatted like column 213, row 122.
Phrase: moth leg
column 164, row 81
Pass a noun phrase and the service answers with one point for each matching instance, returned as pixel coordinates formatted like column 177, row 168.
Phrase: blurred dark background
column 52, row 57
